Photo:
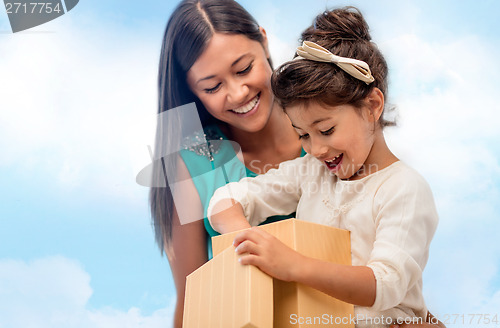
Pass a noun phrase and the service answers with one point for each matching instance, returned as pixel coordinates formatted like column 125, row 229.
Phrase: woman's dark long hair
column 188, row 31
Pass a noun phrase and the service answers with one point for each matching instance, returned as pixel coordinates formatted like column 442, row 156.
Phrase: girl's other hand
column 263, row 250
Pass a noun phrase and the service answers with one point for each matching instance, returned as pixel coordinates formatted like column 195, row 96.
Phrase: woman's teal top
column 215, row 165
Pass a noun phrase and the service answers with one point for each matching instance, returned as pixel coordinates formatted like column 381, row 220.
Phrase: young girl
column 333, row 93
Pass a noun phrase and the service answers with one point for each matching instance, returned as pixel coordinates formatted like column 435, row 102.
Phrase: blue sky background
column 77, row 109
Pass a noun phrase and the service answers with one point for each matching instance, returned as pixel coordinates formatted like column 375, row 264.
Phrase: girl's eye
column 328, row 132
column 303, row 136
column 214, row 89
column 246, row 70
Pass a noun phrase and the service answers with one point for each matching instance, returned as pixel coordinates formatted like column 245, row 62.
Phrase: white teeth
column 331, row 160
column 248, row 107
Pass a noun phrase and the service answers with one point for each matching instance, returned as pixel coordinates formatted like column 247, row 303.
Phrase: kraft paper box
column 224, row 293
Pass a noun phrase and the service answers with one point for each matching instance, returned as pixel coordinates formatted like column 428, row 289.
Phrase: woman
column 216, row 55
column 213, row 54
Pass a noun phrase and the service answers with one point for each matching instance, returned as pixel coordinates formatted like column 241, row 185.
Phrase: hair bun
column 343, row 23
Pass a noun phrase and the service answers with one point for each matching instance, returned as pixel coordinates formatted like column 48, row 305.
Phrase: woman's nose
column 237, row 93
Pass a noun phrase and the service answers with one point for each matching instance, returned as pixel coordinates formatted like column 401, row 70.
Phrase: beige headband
column 356, row 68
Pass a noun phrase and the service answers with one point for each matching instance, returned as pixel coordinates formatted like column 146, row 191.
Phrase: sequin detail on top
column 338, row 207
column 338, row 211
column 202, row 143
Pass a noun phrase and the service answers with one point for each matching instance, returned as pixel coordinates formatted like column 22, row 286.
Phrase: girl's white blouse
column 391, row 215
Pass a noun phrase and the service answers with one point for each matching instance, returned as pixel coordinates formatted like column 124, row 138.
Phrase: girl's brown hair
column 344, row 32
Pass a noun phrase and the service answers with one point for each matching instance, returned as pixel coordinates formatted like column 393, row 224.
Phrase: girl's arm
column 249, row 202
column 229, row 216
column 351, row 284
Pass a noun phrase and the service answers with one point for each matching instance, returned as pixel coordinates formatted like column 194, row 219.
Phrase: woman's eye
column 303, row 136
column 214, row 89
column 246, row 70
column 328, row 132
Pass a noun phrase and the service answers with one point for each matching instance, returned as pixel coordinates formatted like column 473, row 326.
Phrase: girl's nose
column 318, row 149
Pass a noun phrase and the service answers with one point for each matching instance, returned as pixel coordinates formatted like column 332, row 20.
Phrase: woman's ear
column 265, row 43
column 375, row 102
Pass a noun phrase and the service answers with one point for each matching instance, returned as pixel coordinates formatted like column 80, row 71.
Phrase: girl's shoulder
column 401, row 179
column 400, row 172
column 406, row 195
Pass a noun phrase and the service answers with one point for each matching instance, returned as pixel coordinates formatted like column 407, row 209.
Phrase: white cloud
column 54, row 292
column 75, row 105
column 280, row 51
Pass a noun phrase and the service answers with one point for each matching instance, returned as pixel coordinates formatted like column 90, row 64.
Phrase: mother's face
column 232, row 78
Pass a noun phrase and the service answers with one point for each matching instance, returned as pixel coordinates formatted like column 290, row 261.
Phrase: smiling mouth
column 333, row 163
column 248, row 106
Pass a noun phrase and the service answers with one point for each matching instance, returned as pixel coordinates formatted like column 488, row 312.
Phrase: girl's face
column 232, row 79
column 339, row 136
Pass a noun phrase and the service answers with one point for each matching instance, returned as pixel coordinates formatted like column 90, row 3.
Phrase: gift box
column 223, row 293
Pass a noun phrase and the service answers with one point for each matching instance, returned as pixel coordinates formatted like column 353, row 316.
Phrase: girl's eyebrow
column 319, row 120
column 233, row 64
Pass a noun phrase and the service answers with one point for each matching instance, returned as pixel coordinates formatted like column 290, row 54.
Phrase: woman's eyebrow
column 233, row 64
column 239, row 58
column 205, row 78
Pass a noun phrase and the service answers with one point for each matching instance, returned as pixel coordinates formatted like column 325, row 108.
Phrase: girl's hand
column 266, row 252
column 430, row 318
